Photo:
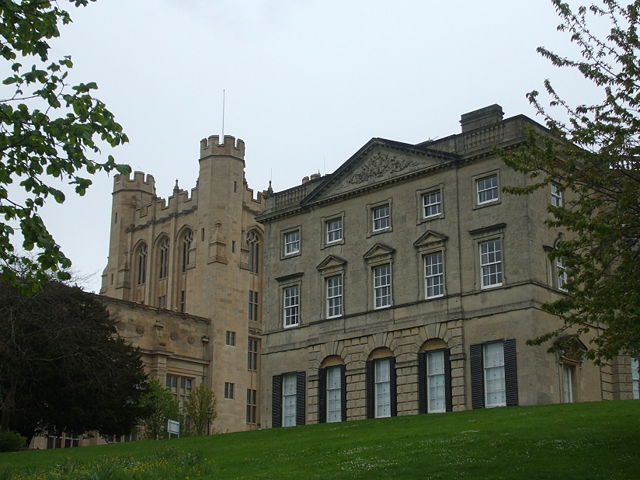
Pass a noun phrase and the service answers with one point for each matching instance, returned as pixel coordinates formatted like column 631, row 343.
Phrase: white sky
column 308, row 82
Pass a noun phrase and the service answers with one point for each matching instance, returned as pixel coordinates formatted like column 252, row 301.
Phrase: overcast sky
column 307, row 84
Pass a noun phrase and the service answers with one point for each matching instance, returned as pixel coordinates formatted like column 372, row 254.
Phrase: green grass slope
column 581, row 441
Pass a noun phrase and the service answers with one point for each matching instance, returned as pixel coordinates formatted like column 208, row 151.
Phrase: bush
column 11, row 441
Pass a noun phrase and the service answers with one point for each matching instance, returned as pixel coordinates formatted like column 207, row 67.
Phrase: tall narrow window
column 334, row 394
column 252, row 354
column 381, row 217
column 334, row 229
column 567, row 383
column 289, row 384
column 252, row 405
column 253, row 241
column 494, row 384
column 382, row 286
column 487, row 189
column 163, row 258
column 187, row 241
column 229, row 390
column 183, row 300
column 557, row 199
column 433, row 275
column 635, row 377
column 431, row 204
column 142, row 264
column 491, row 263
column 334, row 296
column 561, row 273
column 291, row 306
column 253, row 305
column 436, row 399
column 382, row 392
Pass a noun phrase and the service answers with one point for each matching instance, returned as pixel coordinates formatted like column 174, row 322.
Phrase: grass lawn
column 581, row 441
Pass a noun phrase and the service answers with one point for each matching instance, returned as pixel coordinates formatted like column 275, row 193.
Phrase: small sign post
column 173, row 427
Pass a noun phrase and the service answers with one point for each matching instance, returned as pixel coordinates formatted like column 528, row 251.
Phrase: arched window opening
column 141, row 261
column 253, row 241
column 163, row 258
column 187, row 241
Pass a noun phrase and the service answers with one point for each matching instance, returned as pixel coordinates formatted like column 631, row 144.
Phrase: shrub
column 11, row 441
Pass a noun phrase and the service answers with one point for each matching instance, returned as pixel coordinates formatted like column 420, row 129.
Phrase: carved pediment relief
column 331, row 262
column 379, row 251
column 380, row 165
column 430, row 239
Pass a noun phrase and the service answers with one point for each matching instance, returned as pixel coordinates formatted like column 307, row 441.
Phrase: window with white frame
column 291, row 305
column 333, row 230
column 561, row 274
column 334, row 394
column 436, row 398
column 431, row 204
column 567, row 383
column 289, row 385
column 433, row 275
column 635, row 377
column 494, row 379
column 381, row 217
column 382, row 286
column 382, row 390
column 557, row 199
column 487, row 189
column 291, row 242
column 490, row 263
column 334, row 296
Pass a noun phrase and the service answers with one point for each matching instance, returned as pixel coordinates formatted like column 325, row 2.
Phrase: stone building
column 408, row 282
column 183, row 279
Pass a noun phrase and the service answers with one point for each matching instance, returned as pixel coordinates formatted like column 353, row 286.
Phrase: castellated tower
column 195, row 257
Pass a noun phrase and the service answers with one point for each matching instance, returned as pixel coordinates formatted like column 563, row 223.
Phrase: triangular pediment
column 377, row 163
column 379, row 250
column 430, row 238
column 332, row 261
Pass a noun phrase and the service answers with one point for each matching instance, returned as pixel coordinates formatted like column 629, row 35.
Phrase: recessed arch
column 433, row 344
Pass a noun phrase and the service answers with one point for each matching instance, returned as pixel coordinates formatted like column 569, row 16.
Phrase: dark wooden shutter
column 276, row 401
column 322, row 395
column 422, row 382
column 393, row 384
column 301, row 389
column 447, row 381
column 510, row 372
column 370, row 379
column 343, row 391
column 477, row 377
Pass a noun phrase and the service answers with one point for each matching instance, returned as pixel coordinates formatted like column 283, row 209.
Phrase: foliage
column 160, row 406
column 571, row 441
column 49, row 133
column 201, row 410
column 594, row 157
column 63, row 366
column 11, row 441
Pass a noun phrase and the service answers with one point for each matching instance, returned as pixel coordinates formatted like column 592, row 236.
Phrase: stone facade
column 183, row 277
column 407, row 281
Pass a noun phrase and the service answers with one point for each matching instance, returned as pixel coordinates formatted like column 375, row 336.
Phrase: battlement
column 140, row 181
column 230, row 146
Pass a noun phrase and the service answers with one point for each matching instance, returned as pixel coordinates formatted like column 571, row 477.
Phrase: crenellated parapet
column 139, row 182
column 230, row 146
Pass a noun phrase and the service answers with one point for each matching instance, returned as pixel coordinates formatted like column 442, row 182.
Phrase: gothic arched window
column 163, row 257
column 253, row 241
column 187, row 241
column 141, row 263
